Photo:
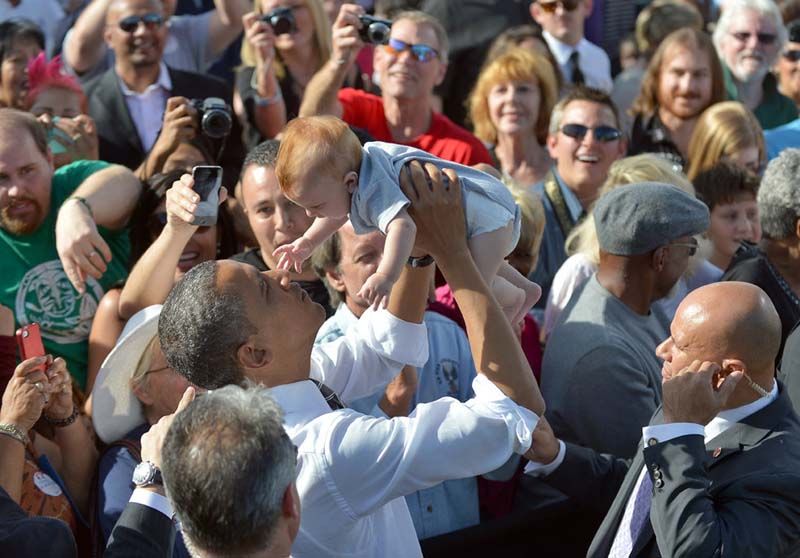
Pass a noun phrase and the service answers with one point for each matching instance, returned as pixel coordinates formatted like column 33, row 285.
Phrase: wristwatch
column 423, row 261
column 147, row 474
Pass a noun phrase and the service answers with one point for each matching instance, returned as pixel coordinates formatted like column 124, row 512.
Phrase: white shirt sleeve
column 659, row 433
column 369, row 355
column 541, row 470
column 152, row 500
column 373, row 461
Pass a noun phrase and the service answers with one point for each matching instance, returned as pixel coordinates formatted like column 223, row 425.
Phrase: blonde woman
column 726, row 132
column 584, row 250
column 276, row 68
column 510, row 110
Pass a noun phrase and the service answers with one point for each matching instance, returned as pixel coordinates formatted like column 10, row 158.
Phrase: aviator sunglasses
column 604, row 134
column 566, row 5
column 151, row 21
column 421, row 53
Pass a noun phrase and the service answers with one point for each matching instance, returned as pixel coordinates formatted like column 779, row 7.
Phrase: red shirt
column 444, row 138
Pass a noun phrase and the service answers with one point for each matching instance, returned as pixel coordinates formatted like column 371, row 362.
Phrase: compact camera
column 374, row 30
column 282, row 20
column 214, row 116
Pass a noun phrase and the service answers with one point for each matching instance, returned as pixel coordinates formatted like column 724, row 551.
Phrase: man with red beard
column 748, row 38
column 684, row 78
column 62, row 237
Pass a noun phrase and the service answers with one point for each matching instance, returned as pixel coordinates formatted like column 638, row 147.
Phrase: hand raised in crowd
column 291, row 256
column 544, row 447
column 438, row 231
column 346, row 41
column 697, row 393
column 60, row 390
column 376, row 290
column 153, row 439
column 179, row 125
column 77, row 137
column 182, row 203
column 27, row 394
column 81, row 249
column 261, row 37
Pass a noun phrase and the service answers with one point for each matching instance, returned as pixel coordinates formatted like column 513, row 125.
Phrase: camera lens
column 281, row 25
column 217, row 123
column 379, row 33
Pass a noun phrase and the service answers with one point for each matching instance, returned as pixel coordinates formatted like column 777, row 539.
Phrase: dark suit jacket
column 740, row 492
column 141, row 532
column 119, row 141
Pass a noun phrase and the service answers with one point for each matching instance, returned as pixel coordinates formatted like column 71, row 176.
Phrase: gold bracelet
column 15, row 432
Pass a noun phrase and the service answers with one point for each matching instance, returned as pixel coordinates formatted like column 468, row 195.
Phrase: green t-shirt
column 33, row 283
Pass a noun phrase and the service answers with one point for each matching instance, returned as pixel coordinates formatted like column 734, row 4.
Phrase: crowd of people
column 472, row 278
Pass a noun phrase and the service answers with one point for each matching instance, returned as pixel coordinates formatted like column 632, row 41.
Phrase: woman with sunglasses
column 166, row 258
column 510, row 110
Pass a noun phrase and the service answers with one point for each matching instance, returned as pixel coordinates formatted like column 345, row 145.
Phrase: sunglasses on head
column 151, row 21
column 604, row 134
column 791, row 55
column 763, row 38
column 421, row 53
column 566, row 5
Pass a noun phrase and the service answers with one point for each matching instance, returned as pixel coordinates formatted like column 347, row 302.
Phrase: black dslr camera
column 281, row 20
column 374, row 30
column 214, row 116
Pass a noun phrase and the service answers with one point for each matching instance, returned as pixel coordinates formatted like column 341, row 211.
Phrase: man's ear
column 107, row 30
column 441, row 74
column 290, row 507
column 730, row 365
column 351, row 181
column 659, row 259
column 334, row 279
column 797, row 228
column 142, row 393
column 552, row 143
column 252, row 355
column 536, row 11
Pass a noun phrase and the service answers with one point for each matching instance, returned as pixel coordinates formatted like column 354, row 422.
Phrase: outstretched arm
column 400, row 235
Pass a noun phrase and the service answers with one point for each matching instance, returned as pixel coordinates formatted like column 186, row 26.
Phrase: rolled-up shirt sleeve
column 373, row 460
column 369, row 355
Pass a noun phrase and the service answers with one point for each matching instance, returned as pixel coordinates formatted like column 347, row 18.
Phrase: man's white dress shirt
column 592, row 60
column 147, row 108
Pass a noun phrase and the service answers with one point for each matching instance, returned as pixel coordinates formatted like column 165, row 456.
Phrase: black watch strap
column 424, row 261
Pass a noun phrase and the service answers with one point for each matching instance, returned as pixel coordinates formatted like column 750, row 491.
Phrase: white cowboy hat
column 115, row 409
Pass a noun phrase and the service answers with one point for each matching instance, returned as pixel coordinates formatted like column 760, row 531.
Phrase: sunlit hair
column 686, row 39
column 518, row 64
column 647, row 167
column 44, row 75
column 661, row 18
column 733, row 9
column 581, row 93
column 322, row 38
column 14, row 121
column 318, row 144
column 721, row 131
column 532, row 222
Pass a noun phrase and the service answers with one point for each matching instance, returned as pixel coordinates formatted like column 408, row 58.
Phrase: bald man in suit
column 719, row 465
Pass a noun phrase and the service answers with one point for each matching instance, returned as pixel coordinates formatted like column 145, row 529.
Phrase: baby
column 323, row 168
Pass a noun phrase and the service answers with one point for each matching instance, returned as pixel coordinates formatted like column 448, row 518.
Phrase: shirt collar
column 561, row 50
column 301, row 402
column 573, row 203
column 728, row 418
column 344, row 317
column 164, row 82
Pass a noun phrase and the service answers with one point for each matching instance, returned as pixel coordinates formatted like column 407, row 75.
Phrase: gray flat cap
column 638, row 218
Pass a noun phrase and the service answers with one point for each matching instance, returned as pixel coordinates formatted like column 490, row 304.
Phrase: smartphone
column 58, row 139
column 207, row 181
column 29, row 342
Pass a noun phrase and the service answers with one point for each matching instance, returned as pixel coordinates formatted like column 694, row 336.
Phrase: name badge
column 46, row 484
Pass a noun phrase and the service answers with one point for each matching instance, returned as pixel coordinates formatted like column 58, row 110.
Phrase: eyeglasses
column 763, row 38
column 692, row 247
column 131, row 23
column 566, row 5
column 421, row 53
column 791, row 55
column 604, row 134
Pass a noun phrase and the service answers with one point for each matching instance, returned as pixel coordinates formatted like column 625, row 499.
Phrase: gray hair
column 227, row 462
column 581, row 93
column 733, row 9
column 779, row 196
column 201, row 329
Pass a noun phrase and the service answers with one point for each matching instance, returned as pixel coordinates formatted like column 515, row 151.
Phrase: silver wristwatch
column 147, row 474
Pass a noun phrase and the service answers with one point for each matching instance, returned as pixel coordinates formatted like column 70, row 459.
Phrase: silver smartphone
column 207, row 181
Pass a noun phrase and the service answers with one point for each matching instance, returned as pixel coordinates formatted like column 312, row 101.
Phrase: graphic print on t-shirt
column 47, row 297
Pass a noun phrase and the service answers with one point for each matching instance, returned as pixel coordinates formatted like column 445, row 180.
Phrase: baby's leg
column 489, row 250
column 532, row 290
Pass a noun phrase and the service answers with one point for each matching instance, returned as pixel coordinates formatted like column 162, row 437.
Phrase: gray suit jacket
column 738, row 495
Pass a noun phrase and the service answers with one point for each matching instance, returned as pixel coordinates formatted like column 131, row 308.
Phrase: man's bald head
column 730, row 320
column 119, row 8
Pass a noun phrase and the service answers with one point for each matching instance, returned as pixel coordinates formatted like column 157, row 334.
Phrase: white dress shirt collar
column 301, row 402
column 164, row 82
column 726, row 419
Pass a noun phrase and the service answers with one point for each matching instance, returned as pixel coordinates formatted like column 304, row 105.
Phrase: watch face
column 143, row 473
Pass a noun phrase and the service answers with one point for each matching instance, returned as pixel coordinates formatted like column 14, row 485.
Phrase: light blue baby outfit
column 488, row 205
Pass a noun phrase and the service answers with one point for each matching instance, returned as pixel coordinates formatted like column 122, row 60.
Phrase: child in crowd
column 323, row 168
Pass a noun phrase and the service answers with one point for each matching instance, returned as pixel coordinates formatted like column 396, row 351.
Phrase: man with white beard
column 748, row 38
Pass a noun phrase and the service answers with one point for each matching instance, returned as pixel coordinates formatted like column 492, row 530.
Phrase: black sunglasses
column 151, row 21
column 791, row 55
column 604, row 134
column 763, row 38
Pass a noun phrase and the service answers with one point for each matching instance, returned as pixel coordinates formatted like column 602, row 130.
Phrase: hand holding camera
column 346, row 36
column 71, row 139
column 179, row 124
column 260, row 35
